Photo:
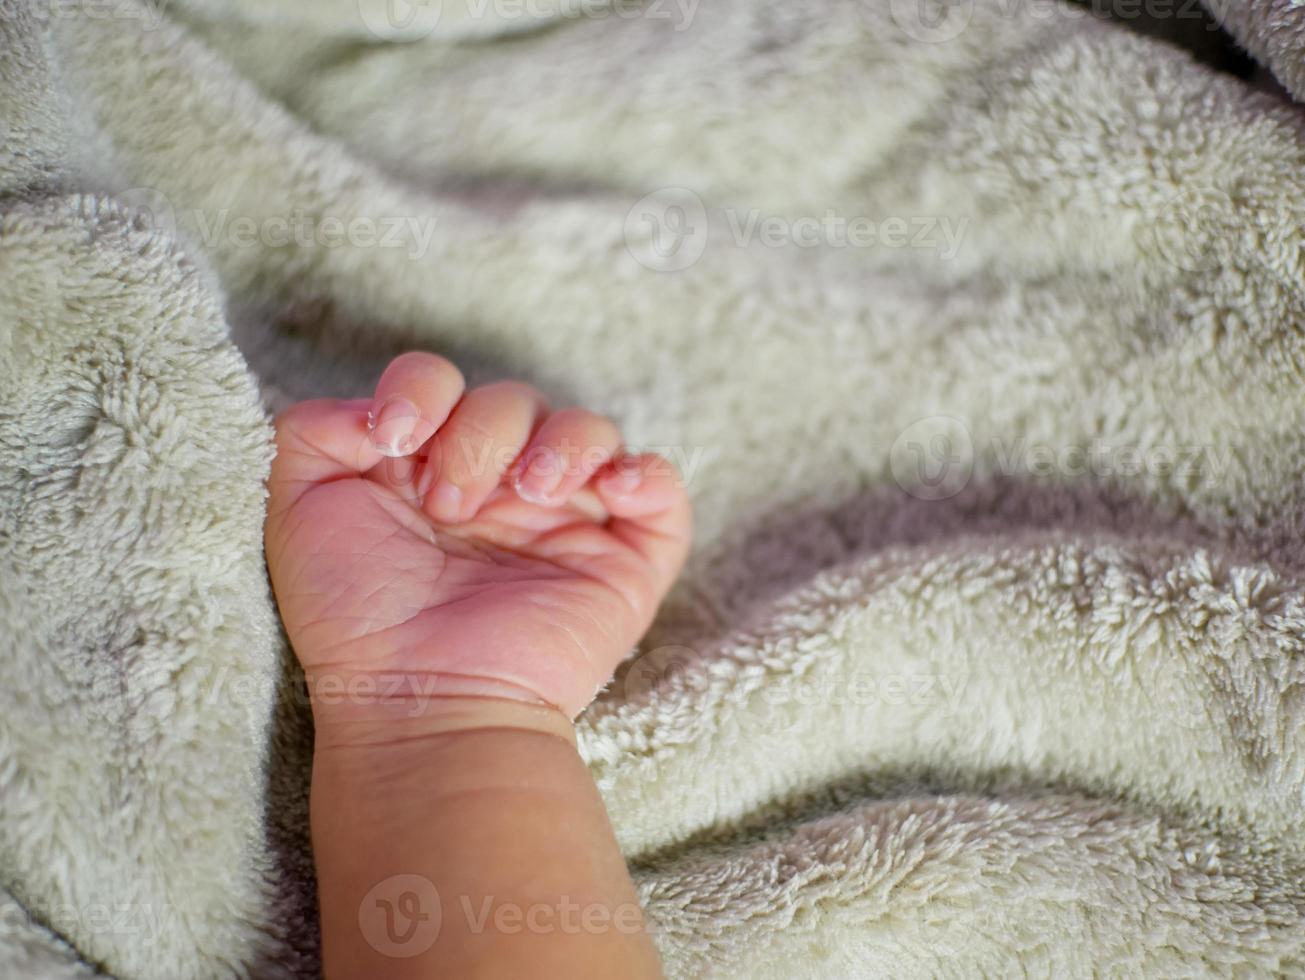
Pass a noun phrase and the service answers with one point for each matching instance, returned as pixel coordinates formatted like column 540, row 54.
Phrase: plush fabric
column 988, row 659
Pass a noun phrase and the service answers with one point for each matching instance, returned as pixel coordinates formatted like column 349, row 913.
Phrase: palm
column 389, row 589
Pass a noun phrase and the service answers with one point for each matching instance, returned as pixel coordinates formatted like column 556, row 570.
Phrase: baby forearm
column 468, row 840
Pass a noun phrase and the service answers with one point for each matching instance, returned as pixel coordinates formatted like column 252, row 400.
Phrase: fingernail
column 622, row 481
column 397, row 427
column 540, row 478
column 447, row 503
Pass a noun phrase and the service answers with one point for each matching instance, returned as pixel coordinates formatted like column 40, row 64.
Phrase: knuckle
column 470, row 431
column 569, row 417
column 445, row 371
column 448, row 374
column 595, row 427
column 509, row 390
column 463, row 456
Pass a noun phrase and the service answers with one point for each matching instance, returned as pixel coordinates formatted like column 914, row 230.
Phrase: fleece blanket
column 976, row 331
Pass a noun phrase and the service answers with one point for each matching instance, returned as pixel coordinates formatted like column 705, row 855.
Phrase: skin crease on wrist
column 459, row 571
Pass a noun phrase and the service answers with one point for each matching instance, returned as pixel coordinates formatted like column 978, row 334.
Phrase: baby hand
column 466, row 543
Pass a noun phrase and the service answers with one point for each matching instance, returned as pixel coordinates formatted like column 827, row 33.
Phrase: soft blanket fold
column 977, row 340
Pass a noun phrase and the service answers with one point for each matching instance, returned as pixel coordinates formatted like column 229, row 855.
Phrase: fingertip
column 639, row 485
column 397, row 427
column 413, row 398
column 538, row 475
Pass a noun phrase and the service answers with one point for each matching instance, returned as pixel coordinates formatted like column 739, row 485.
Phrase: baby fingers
column 481, row 438
column 569, row 448
column 413, row 398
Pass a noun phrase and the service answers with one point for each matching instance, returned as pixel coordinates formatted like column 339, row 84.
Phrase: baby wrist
column 366, row 708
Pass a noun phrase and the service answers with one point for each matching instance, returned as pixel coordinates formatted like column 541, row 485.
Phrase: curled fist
column 466, row 542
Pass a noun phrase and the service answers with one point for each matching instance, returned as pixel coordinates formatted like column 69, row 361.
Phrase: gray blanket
column 976, row 331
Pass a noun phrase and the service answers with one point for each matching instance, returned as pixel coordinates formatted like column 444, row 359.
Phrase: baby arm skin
column 459, row 572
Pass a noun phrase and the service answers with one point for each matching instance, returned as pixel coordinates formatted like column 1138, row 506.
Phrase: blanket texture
column 976, row 331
